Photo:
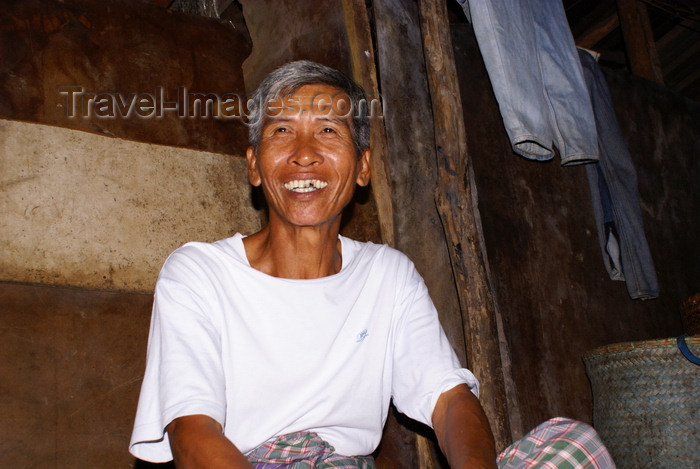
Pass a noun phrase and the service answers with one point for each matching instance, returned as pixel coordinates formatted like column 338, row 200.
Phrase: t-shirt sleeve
column 183, row 365
column 425, row 365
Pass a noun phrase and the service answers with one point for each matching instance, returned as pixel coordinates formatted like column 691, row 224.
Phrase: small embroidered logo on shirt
column 362, row 335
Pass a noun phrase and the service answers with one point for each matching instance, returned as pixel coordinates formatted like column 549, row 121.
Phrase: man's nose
column 305, row 152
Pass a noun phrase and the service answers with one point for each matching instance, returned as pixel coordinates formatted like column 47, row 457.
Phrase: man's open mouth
column 305, row 185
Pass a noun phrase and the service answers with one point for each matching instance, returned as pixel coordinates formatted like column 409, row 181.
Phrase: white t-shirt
column 265, row 356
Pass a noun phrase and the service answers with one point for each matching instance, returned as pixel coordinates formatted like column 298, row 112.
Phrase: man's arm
column 198, row 443
column 463, row 430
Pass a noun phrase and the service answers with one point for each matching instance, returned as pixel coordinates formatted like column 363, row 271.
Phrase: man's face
column 306, row 160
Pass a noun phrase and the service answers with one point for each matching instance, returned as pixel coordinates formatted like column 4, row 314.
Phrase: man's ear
column 363, row 175
column 253, row 174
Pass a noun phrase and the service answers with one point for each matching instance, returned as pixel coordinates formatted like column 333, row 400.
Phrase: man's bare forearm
column 463, row 430
column 198, row 443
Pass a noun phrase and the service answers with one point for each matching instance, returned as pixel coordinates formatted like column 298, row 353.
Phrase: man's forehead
column 319, row 101
column 313, row 89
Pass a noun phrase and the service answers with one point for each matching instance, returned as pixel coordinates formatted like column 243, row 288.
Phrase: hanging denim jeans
column 613, row 185
column 536, row 76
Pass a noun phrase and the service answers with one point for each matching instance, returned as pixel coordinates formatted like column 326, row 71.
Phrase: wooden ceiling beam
column 681, row 58
column 593, row 35
column 670, row 40
column 639, row 40
column 689, row 82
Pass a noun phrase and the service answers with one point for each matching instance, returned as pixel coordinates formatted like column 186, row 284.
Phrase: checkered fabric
column 558, row 443
column 303, row 450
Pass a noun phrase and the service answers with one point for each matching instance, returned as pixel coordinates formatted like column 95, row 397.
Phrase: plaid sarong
column 303, row 450
column 558, row 443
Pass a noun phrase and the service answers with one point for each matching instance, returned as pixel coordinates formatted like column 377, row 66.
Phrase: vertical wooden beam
column 411, row 158
column 639, row 40
column 405, row 448
column 365, row 73
column 459, row 216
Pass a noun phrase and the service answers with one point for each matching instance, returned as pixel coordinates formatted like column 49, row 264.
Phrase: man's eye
column 328, row 130
column 281, row 129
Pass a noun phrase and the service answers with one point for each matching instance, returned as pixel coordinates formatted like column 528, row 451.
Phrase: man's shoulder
column 198, row 252
column 371, row 252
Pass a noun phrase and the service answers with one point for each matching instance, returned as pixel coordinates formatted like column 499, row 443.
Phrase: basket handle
column 683, row 347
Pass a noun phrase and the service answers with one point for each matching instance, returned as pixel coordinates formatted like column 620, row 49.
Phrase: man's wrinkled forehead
column 318, row 100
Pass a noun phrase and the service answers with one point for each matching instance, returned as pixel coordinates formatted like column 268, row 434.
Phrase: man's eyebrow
column 272, row 120
column 276, row 120
column 334, row 120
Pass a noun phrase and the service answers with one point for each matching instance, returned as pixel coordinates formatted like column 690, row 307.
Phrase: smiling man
column 307, row 163
column 284, row 348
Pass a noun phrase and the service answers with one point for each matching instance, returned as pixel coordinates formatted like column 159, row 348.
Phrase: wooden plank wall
column 549, row 282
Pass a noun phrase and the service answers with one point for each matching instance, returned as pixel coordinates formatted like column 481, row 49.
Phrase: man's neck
column 295, row 252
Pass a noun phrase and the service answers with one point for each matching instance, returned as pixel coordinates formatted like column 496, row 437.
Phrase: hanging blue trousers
column 613, row 185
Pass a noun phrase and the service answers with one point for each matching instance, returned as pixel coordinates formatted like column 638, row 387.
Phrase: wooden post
column 459, row 217
column 411, row 156
column 365, row 73
column 639, row 40
column 405, row 448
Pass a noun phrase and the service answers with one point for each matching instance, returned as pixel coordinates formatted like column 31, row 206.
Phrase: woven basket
column 646, row 403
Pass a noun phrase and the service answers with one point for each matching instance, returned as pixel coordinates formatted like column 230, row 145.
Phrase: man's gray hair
column 288, row 78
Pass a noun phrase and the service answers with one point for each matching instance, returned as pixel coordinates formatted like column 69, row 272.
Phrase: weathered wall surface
column 285, row 31
column 72, row 363
column 117, row 52
column 96, row 203
column 97, row 212
column 88, row 211
column 549, row 281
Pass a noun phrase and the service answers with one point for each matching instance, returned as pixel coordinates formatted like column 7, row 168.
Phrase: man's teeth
column 306, row 185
